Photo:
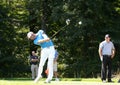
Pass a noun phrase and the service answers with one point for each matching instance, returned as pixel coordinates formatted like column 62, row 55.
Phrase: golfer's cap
column 29, row 34
column 107, row 35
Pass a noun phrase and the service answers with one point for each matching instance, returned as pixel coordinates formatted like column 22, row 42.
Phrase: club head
column 67, row 21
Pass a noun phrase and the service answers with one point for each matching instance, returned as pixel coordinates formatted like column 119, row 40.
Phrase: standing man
column 55, row 66
column 34, row 64
column 106, row 53
column 47, row 51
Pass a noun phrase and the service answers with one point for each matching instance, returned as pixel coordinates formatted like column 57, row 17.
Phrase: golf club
column 67, row 23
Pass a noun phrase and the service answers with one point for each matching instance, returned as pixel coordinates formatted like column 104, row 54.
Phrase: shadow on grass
column 70, row 79
column 17, row 79
column 29, row 79
column 77, row 79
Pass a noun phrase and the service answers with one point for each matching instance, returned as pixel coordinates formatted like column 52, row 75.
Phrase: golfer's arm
column 43, row 40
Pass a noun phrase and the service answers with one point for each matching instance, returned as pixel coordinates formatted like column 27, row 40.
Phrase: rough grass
column 63, row 81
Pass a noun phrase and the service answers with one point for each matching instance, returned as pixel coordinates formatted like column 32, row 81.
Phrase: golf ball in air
column 79, row 22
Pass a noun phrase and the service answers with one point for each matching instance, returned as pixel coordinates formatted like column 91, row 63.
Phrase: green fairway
column 65, row 81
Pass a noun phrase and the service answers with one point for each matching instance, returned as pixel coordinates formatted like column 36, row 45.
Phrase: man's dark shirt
column 33, row 57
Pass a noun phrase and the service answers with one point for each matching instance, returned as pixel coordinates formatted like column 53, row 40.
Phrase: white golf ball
column 79, row 22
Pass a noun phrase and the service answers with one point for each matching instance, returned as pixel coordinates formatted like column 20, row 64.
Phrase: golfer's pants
column 46, row 53
column 106, row 67
column 34, row 70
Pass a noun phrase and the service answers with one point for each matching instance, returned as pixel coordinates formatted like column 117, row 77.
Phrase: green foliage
column 12, row 46
column 63, row 81
column 80, row 43
column 77, row 44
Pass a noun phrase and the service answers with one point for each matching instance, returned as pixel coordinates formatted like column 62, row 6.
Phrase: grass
column 63, row 81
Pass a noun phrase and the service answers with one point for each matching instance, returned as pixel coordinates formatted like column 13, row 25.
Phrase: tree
column 12, row 23
column 77, row 44
column 85, row 39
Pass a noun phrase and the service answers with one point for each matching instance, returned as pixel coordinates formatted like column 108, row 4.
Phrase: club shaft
column 58, row 32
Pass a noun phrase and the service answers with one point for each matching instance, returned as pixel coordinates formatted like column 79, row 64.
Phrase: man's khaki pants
column 34, row 70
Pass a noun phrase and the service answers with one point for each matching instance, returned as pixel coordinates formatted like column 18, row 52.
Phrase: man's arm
column 113, row 53
column 34, row 60
column 43, row 40
column 37, row 59
column 46, row 38
column 100, row 52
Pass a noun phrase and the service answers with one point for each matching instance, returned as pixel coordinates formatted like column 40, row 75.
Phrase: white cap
column 29, row 34
column 107, row 35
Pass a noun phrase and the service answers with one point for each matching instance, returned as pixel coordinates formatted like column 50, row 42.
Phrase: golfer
column 106, row 53
column 47, row 51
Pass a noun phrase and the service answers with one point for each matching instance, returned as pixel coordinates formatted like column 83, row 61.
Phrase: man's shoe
column 119, row 81
column 37, row 79
column 47, row 81
column 110, row 81
column 56, row 79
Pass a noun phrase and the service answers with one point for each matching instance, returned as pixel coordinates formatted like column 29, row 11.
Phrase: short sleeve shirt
column 41, row 35
column 106, row 47
column 33, row 57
